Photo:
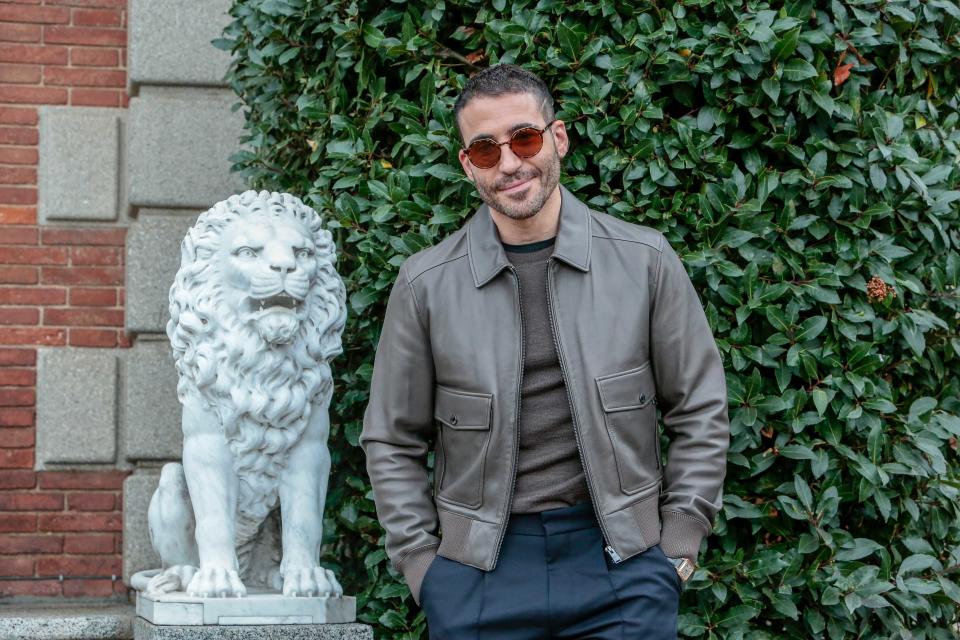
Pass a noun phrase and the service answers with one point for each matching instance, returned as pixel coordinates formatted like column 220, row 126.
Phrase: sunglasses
column 524, row 143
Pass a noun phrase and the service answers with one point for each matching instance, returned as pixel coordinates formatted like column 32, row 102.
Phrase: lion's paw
column 171, row 579
column 310, row 581
column 216, row 582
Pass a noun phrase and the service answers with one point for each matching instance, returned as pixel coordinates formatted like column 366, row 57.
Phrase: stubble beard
column 517, row 206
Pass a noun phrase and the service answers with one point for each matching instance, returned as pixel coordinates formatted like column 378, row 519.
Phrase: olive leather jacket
column 631, row 336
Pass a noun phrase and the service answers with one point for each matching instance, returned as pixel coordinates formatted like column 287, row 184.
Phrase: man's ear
column 559, row 130
column 465, row 163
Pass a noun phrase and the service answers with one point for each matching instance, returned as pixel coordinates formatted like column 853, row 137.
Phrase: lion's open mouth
column 280, row 300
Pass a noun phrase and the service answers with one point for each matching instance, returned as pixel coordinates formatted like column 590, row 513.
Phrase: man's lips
column 516, row 186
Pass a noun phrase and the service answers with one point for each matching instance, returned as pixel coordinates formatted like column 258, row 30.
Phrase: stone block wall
column 181, row 131
column 102, row 170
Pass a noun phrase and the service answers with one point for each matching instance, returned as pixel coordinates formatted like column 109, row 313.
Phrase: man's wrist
column 684, row 566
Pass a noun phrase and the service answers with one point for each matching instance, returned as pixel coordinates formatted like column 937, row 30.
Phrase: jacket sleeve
column 692, row 394
column 397, row 426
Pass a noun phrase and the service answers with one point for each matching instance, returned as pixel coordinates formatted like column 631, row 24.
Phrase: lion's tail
column 254, row 538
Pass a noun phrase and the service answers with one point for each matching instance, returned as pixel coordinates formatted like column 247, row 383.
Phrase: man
column 533, row 344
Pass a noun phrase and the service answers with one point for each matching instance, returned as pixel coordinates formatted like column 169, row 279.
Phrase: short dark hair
column 503, row 79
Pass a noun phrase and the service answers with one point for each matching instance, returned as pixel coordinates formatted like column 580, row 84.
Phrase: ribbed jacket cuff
column 680, row 535
column 414, row 566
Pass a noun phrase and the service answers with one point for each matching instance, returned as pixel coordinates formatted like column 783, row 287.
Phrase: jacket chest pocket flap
column 628, row 399
column 463, row 419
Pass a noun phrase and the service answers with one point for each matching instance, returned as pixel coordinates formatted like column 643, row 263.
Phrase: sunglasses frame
column 513, row 136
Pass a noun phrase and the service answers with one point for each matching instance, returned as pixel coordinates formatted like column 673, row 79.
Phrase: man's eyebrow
column 522, row 125
column 481, row 136
column 490, row 136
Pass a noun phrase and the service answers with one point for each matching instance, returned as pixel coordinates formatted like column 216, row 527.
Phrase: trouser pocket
column 450, row 597
column 648, row 590
column 670, row 566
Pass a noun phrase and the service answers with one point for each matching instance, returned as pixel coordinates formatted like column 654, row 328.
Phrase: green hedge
column 802, row 158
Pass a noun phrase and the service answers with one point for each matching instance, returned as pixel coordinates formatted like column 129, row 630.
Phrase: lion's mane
column 262, row 393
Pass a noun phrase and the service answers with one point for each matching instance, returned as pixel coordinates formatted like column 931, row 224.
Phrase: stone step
column 66, row 620
column 143, row 630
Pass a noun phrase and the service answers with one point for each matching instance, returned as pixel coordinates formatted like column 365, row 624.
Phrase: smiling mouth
column 515, row 186
column 281, row 300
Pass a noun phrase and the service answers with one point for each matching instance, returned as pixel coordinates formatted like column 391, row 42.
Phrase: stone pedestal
column 63, row 619
column 256, row 608
column 143, row 630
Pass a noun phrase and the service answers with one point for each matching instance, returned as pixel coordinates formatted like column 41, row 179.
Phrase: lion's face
column 268, row 268
column 257, row 306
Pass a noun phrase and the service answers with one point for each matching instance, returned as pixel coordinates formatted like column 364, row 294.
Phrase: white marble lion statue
column 256, row 313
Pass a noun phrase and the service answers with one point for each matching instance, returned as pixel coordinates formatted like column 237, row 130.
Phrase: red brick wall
column 55, row 523
column 59, row 286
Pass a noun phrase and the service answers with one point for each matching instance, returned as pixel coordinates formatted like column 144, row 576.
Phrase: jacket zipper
column 573, row 415
column 516, row 430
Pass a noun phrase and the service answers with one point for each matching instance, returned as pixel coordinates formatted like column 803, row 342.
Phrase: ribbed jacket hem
column 414, row 566
column 680, row 534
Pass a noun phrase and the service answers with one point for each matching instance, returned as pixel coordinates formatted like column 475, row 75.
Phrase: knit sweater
column 549, row 473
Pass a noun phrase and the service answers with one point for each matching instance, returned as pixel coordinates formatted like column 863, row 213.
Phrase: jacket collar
column 488, row 258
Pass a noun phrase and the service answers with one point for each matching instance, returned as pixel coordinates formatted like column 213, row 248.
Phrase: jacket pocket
column 629, row 412
column 463, row 426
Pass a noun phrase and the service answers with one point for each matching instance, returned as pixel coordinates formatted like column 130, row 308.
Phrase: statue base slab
column 143, row 630
column 255, row 608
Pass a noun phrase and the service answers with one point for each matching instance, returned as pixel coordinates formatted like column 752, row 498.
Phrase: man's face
column 516, row 187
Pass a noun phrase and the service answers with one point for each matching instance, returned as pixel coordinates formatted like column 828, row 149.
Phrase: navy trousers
column 553, row 580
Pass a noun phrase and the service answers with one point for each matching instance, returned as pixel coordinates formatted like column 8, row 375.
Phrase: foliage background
column 790, row 152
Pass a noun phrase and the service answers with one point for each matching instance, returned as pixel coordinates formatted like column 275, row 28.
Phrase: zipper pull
column 613, row 554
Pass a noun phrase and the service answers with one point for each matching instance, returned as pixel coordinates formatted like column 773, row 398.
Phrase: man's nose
column 509, row 161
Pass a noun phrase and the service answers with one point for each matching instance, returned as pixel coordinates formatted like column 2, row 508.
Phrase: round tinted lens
column 526, row 142
column 484, row 153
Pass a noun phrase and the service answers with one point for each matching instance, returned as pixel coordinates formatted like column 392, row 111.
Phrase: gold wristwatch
column 685, row 567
